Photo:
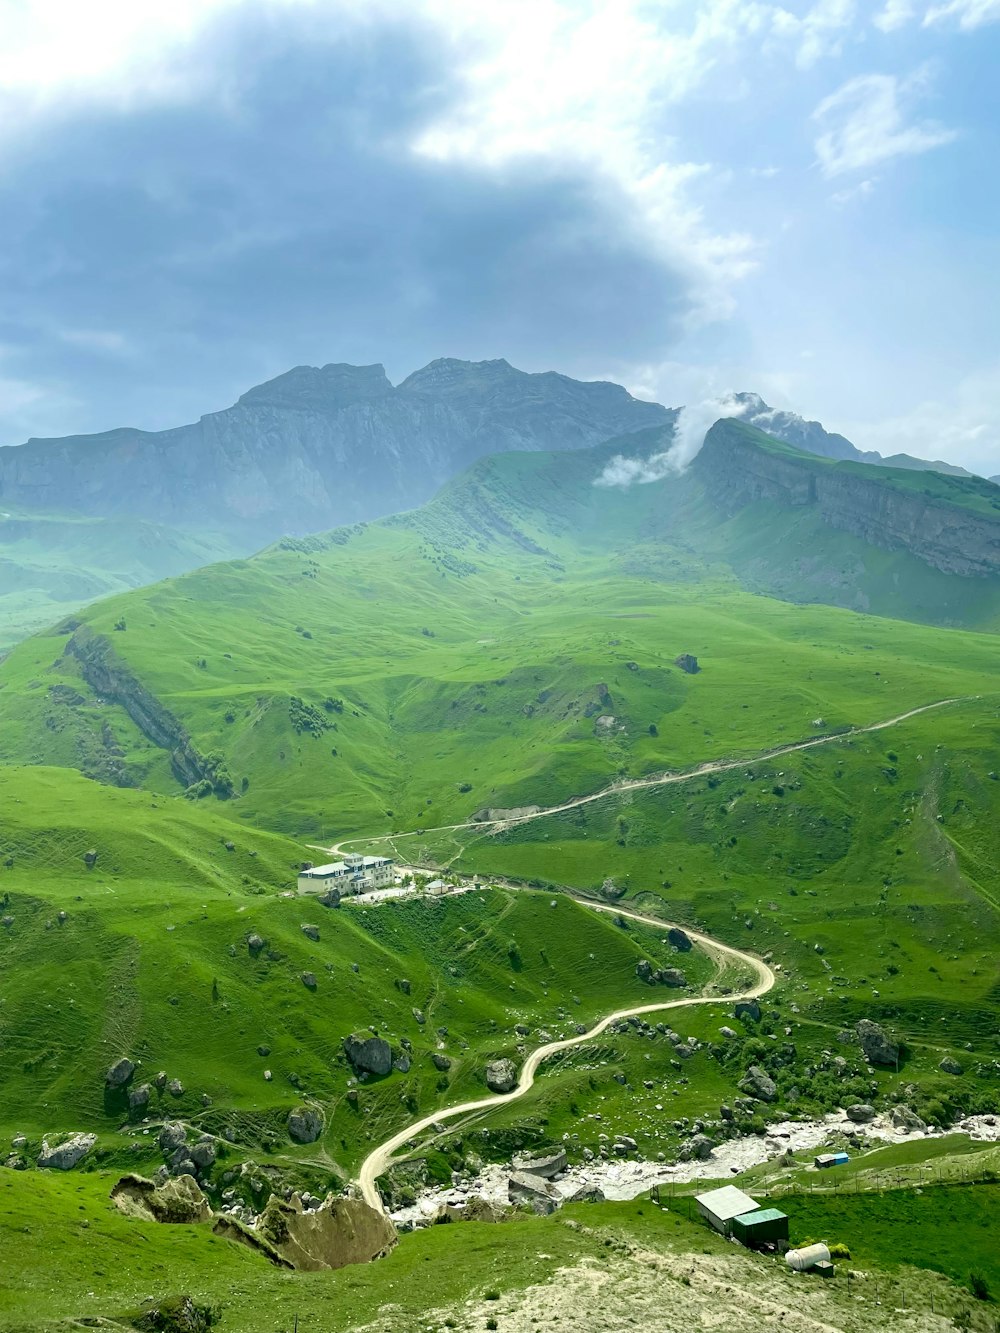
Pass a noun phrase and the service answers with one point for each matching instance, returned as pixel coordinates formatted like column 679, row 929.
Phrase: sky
column 686, row 197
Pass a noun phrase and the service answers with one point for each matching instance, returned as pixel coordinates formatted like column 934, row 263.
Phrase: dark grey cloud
column 281, row 217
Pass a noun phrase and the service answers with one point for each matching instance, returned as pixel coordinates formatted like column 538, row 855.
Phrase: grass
column 402, row 676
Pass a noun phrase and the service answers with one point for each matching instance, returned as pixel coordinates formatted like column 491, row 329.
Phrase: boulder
column 255, row 943
column 441, row 1062
column 727, row 1032
column 860, row 1113
column 403, row 984
column 687, row 662
column 180, row 1314
column 759, row 1084
column 369, row 1055
column 678, row 938
column 747, row 1009
column 305, row 1124
column 697, row 1149
column 501, row 1075
column 541, row 1164
column 541, row 1197
column 119, row 1073
column 203, row 1152
column 401, row 1064
column 875, row 1043
column 419, row 1015
column 64, row 1156
column 671, row 976
column 90, row 857
column 172, row 1136
column 310, row 932
column 341, row 1231
column 175, row 1087
column 331, row 898
column 644, row 971
column 138, row 1098
column 903, row 1117
column 949, row 1065
column 178, row 1200
column 309, row 980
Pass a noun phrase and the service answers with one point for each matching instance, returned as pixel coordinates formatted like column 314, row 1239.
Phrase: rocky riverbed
column 626, row 1178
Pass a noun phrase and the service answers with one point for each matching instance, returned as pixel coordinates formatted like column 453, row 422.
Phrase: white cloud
column 693, row 423
column 896, row 14
column 818, row 33
column 864, row 123
column 969, row 14
column 963, row 428
column 95, row 340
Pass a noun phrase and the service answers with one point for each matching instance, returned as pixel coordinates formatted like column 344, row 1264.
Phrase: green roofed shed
column 762, row 1227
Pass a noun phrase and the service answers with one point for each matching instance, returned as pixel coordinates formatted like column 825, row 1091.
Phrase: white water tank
column 809, row 1255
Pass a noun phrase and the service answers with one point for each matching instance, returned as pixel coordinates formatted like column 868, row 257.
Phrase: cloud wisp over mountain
column 690, row 429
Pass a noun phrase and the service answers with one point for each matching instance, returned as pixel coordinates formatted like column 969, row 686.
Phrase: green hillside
column 514, row 644
column 51, row 564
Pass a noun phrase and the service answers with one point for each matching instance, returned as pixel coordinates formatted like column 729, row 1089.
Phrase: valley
column 586, row 706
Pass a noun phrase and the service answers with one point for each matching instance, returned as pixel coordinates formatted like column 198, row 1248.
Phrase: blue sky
column 687, row 198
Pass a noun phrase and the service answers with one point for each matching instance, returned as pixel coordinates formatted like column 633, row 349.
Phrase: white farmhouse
column 355, row 874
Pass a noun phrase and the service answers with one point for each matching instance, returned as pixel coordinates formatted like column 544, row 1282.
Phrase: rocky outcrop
column 179, row 1200
column 664, row 976
column 64, row 1156
column 369, row 1055
column 951, row 523
column 678, row 939
column 688, row 663
column 875, row 1043
column 341, row 1231
column 501, row 1075
column 109, row 677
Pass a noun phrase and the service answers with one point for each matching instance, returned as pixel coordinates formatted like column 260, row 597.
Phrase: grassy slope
column 52, row 564
column 154, row 948
column 536, row 591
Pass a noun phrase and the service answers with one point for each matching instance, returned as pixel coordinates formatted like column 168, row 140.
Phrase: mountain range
column 86, row 515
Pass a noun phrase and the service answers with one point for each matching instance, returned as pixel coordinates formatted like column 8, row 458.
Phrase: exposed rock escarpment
column 110, row 678
column 950, row 523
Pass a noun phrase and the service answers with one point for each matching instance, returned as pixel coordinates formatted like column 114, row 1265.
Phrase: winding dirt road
column 657, row 780
column 380, row 1158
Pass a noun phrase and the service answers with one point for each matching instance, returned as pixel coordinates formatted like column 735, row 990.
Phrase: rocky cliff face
column 316, row 448
column 956, row 534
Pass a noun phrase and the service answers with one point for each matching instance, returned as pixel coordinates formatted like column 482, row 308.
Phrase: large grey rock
column 875, row 1043
column 545, row 1164
column 64, row 1156
column 203, row 1153
column 860, row 1113
column 138, row 1098
column 949, row 1065
column 904, row 1117
column 311, row 932
column 747, row 1009
column 305, row 1124
column 679, row 939
column 758, row 1083
column 171, row 1137
column 501, row 1075
column 534, row 1192
column 369, row 1055
column 119, row 1073
column 671, row 976
column 441, row 1062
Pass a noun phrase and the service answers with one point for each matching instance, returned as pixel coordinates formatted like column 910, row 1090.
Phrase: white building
column 355, row 874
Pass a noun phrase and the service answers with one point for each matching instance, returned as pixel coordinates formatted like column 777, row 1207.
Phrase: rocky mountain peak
column 320, row 388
